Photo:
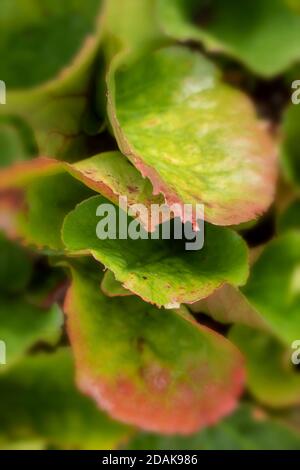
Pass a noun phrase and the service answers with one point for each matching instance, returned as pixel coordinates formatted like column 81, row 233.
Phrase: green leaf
column 290, row 145
column 38, row 399
column 111, row 287
column 228, row 305
column 180, row 126
column 49, row 199
column 15, row 267
column 271, row 376
column 159, row 370
column 265, row 37
column 290, row 218
column 243, row 430
column 124, row 35
column 16, row 142
column 273, row 286
column 293, row 5
column 160, row 271
column 51, row 95
column 36, row 29
column 47, row 194
column 44, row 183
column 23, row 325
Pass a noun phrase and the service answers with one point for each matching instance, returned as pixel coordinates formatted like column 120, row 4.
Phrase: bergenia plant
column 150, row 224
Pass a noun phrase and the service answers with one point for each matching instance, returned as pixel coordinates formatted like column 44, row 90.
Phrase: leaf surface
column 181, row 127
column 39, row 400
column 243, row 430
column 252, row 34
column 290, row 145
column 228, row 305
column 156, row 369
column 111, row 287
column 290, row 218
column 23, row 325
column 15, row 267
column 160, row 271
column 271, row 376
column 273, row 288
column 46, row 193
column 112, row 175
column 51, row 96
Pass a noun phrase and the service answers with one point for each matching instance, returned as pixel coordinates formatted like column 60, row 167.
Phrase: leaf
column 49, row 200
column 252, row 34
column 243, row 430
column 290, row 145
column 46, row 185
column 45, row 27
column 158, row 370
column 271, row 376
column 23, row 325
column 47, row 195
column 27, row 444
column 162, row 272
column 293, row 5
column 112, row 175
column 180, row 126
column 51, row 95
column 290, row 218
column 111, row 287
column 21, row 174
column 228, row 305
column 124, row 35
column 39, row 400
column 15, row 267
column 16, row 142
column 273, row 286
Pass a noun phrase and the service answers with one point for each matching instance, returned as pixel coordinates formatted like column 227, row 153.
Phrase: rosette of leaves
column 161, row 339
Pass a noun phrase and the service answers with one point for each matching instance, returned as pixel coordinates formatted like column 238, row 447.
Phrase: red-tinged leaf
column 109, row 174
column 46, row 194
column 112, row 175
column 181, row 126
column 11, row 203
column 156, row 369
column 23, row 173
